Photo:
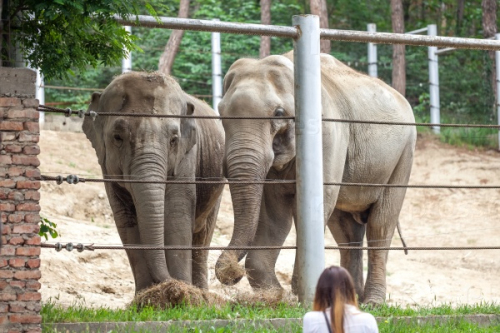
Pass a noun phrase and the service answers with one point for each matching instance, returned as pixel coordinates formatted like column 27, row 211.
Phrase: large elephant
column 157, row 149
column 352, row 153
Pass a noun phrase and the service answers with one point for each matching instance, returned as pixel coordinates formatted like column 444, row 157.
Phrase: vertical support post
column 309, row 161
column 127, row 60
column 40, row 95
column 216, row 70
column 372, row 53
column 434, row 81
column 497, row 63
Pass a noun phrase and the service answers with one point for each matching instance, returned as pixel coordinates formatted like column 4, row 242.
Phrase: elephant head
column 141, row 148
column 254, row 88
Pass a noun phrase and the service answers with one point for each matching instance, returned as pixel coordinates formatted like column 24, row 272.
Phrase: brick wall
column 19, row 212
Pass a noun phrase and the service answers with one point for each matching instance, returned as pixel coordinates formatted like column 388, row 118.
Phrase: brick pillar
column 19, row 203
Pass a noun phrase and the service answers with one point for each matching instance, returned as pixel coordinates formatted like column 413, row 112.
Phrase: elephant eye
column 117, row 139
column 279, row 112
column 174, row 140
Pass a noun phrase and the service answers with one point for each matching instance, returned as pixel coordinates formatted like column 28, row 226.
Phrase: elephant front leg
column 275, row 222
column 180, row 210
column 348, row 232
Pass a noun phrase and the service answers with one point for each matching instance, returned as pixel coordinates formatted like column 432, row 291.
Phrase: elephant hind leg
column 203, row 238
column 348, row 232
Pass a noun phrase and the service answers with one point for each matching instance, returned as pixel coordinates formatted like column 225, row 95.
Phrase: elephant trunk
column 149, row 201
column 243, row 163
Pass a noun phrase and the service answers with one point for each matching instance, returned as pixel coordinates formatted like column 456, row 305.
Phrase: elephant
column 156, row 149
column 258, row 149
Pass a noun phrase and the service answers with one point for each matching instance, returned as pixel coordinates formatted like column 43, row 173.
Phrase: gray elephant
column 157, row 149
column 352, row 153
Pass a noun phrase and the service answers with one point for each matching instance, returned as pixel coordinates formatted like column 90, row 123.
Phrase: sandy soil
column 430, row 217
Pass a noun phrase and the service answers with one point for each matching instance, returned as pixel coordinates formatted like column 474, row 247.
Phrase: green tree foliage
column 60, row 35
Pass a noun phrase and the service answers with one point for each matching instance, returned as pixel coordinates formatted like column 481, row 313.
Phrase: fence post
column 19, row 202
column 216, row 70
column 40, row 94
column 309, row 161
column 434, row 81
column 127, row 60
column 372, row 53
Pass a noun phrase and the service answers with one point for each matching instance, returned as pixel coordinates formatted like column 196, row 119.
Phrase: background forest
column 466, row 91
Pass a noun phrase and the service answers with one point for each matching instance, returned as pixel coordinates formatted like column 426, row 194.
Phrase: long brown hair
column 335, row 288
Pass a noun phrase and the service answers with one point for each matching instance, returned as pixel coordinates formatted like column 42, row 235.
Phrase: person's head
column 335, row 288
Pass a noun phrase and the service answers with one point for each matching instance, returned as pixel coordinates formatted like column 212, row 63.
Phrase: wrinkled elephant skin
column 352, row 153
column 156, row 149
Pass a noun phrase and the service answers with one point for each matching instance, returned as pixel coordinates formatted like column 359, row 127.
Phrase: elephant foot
column 227, row 269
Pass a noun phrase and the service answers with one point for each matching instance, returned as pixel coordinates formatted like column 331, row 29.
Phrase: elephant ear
column 188, row 129
column 93, row 129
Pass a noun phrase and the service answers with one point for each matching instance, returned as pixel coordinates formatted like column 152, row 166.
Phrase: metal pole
column 127, row 60
column 372, row 53
column 40, row 95
column 497, row 63
column 309, row 161
column 216, row 70
column 434, row 81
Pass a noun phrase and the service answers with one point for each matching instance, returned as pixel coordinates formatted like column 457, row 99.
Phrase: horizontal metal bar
column 413, row 32
column 206, row 25
column 406, row 39
column 445, row 50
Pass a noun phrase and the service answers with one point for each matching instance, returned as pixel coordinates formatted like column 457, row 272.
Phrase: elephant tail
column 402, row 239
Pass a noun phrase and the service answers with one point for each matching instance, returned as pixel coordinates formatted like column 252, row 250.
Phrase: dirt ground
column 430, row 217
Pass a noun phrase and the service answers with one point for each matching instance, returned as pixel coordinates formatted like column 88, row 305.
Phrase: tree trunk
column 167, row 58
column 265, row 18
column 489, row 30
column 318, row 7
column 398, row 53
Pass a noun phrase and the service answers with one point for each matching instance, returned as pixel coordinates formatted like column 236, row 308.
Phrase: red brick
column 25, row 275
column 28, row 207
column 25, row 319
column 7, row 207
column 4, row 239
column 16, row 113
column 3, row 218
column 3, row 262
column 8, row 251
column 9, row 183
column 29, row 184
column 3, row 284
column 17, row 284
column 25, row 160
column 30, row 103
column 28, row 251
column 16, row 218
column 16, row 241
column 32, row 218
column 4, row 274
column 7, row 136
column 10, row 101
column 32, row 195
column 15, row 171
column 17, row 307
column 17, row 262
column 29, row 296
column 35, row 240
column 33, row 285
column 25, row 137
column 34, row 329
column 33, row 263
column 5, row 159
column 26, row 229
column 13, row 149
column 4, row 193
column 16, row 195
column 4, row 319
column 31, row 126
column 7, row 296
column 11, row 126
column 31, row 150
column 4, row 308
column 32, row 173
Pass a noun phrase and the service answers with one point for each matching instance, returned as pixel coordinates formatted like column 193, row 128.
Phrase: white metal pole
column 127, row 60
column 40, row 95
column 309, row 162
column 434, row 81
column 497, row 63
column 372, row 53
column 216, row 70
